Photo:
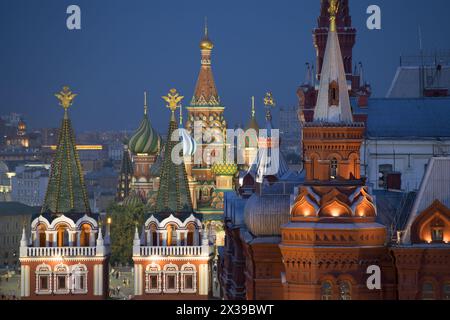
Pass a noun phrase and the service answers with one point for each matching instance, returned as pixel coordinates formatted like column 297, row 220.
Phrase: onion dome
column 265, row 214
column 132, row 200
column 224, row 169
column 189, row 143
column 145, row 140
column 206, row 44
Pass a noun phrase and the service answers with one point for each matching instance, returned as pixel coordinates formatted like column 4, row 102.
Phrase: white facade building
column 30, row 184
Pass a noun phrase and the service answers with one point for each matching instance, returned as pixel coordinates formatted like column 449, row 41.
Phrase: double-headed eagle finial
column 65, row 97
column 333, row 10
column 268, row 100
column 173, row 100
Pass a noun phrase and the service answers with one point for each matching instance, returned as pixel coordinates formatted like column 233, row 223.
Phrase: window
column 79, row 278
column 344, row 291
column 188, row 281
column 153, row 282
column 333, row 94
column 61, row 283
column 61, row 279
column 427, row 291
column 446, row 292
column 44, row 283
column 170, row 282
column 437, row 230
column 333, row 168
column 326, row 291
column 383, row 171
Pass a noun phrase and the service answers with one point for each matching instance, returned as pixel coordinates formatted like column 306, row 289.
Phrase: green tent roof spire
column 66, row 191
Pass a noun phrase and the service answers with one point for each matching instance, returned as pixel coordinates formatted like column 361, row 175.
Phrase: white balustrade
column 171, row 251
column 60, row 251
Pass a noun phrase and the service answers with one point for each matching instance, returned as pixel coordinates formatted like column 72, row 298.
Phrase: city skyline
column 110, row 78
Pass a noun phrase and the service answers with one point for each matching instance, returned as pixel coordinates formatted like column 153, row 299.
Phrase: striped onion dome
column 132, row 200
column 145, row 140
column 189, row 143
column 265, row 214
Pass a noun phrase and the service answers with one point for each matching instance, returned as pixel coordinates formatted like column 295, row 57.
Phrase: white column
column 98, row 279
column 164, row 238
column 157, row 237
column 55, row 238
column 149, row 238
column 138, row 283
column 178, row 237
column 95, row 280
column 92, row 236
column 186, row 237
column 203, row 279
column 196, row 237
column 47, row 238
column 25, row 281
column 78, row 244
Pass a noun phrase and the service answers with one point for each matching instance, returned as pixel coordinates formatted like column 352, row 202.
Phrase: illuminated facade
column 66, row 256
column 173, row 256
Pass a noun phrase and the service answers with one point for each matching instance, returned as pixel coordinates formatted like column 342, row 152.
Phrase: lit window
column 170, row 282
column 437, row 230
column 326, row 291
column 333, row 168
column 188, row 281
column 44, row 284
column 427, row 291
column 153, row 282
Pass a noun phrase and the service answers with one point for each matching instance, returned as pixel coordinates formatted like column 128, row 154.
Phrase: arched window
column 333, row 168
column 171, row 279
column 188, row 279
column 153, row 235
column 345, row 291
column 61, row 279
column 153, row 279
column 326, row 291
column 84, row 235
column 171, row 235
column 43, row 279
column 427, row 291
column 41, row 235
column 190, row 235
column 437, row 230
column 62, row 236
column 446, row 291
column 79, row 279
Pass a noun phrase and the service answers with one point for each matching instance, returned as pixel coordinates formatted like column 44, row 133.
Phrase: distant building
column 5, row 182
column 30, row 183
column 290, row 133
column 115, row 151
column 14, row 217
column 424, row 75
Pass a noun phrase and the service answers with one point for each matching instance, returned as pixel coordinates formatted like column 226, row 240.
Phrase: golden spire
column 333, row 10
column 253, row 106
column 181, row 115
column 65, row 97
column 206, row 44
column 145, row 103
column 173, row 100
column 268, row 100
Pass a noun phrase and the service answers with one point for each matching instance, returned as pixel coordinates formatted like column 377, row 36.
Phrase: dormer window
column 333, row 94
column 437, row 230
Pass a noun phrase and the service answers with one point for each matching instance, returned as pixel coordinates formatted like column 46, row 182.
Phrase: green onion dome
column 224, row 169
column 132, row 200
column 145, row 140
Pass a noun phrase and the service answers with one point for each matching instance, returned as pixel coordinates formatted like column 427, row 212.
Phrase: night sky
column 128, row 46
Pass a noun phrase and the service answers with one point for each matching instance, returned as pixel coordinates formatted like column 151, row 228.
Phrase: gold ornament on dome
column 173, row 99
column 65, row 97
column 268, row 100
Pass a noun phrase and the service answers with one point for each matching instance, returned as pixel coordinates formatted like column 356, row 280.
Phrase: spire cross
column 145, row 103
column 253, row 106
column 333, row 10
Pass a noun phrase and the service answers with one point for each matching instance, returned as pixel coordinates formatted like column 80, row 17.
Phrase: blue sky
column 128, row 46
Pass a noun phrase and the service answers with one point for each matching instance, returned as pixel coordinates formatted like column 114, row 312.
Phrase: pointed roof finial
column 206, row 44
column 253, row 106
column 173, row 100
column 181, row 115
column 145, row 103
column 333, row 10
column 206, row 27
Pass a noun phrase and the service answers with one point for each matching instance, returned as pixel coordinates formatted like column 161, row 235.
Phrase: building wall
column 10, row 235
column 408, row 157
column 97, row 280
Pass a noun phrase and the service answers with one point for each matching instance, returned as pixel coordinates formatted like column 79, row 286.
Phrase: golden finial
column 333, row 10
column 145, row 103
column 206, row 27
column 181, row 115
column 173, row 99
column 65, row 98
column 268, row 100
column 253, row 106
column 206, row 44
